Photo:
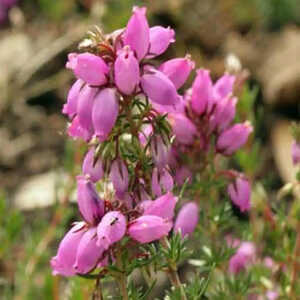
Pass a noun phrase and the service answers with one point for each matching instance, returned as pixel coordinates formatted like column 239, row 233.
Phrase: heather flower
column 70, row 108
column 105, row 112
column 159, row 151
column 126, row 71
column 187, row 219
column 89, row 67
column 75, row 130
column 162, row 181
column 160, row 39
column 119, row 177
column 63, row 262
column 88, row 252
column 296, row 152
column 111, row 229
column 177, row 70
column 159, row 88
column 162, row 207
column 91, row 168
column 224, row 86
column 90, row 205
column 137, row 33
column 240, row 192
column 149, row 228
column 234, row 138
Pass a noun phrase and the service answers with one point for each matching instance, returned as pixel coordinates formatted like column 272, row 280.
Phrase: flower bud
column 224, row 86
column 65, row 258
column 90, row 68
column 233, row 138
column 296, row 153
column 88, row 253
column 119, row 177
column 146, row 229
column 202, row 92
column 93, row 170
column 111, row 229
column 187, row 219
column 105, row 112
column 162, row 207
column 178, row 70
column 91, row 207
column 159, row 151
column 223, row 114
column 76, row 131
column 240, row 192
column 160, row 39
column 183, row 128
column 159, row 88
column 127, row 71
column 162, row 182
column 70, row 108
column 85, row 107
column 136, row 34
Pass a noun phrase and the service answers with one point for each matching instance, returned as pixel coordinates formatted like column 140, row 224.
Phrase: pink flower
column 296, row 153
column 240, row 192
column 234, row 138
column 178, row 70
column 90, row 168
column 65, row 258
column 119, row 177
column 159, row 88
column 160, row 39
column 89, row 67
column 146, row 229
column 224, row 86
column 244, row 257
column 105, row 112
column 159, row 151
column 162, row 182
column 162, row 207
column 137, row 33
column 90, row 205
column 126, row 70
column 70, row 108
column 111, row 229
column 187, row 219
column 75, row 130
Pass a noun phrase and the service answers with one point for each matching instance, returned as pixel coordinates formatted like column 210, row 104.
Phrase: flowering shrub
column 153, row 153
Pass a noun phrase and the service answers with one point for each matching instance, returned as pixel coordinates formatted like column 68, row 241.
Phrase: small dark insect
column 114, row 221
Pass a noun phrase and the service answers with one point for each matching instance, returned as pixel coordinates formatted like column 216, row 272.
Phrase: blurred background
column 38, row 161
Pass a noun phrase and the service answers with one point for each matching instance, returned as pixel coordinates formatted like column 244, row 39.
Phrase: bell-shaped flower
column 161, row 182
column 105, row 112
column 70, row 108
column 90, row 205
column 233, row 138
column 187, row 219
column 240, row 193
column 111, row 229
column 137, row 33
column 162, row 207
column 159, row 88
column 146, row 229
column 119, row 177
column 89, row 67
column 224, row 86
column 76, row 131
column 177, row 70
column 159, row 151
column 145, row 133
column 202, row 92
column 184, row 129
column 91, row 168
column 296, row 152
column 160, row 39
column 65, row 258
column 85, row 107
column 223, row 114
column 88, row 252
column 126, row 71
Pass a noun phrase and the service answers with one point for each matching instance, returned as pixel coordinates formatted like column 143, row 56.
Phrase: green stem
column 121, row 277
